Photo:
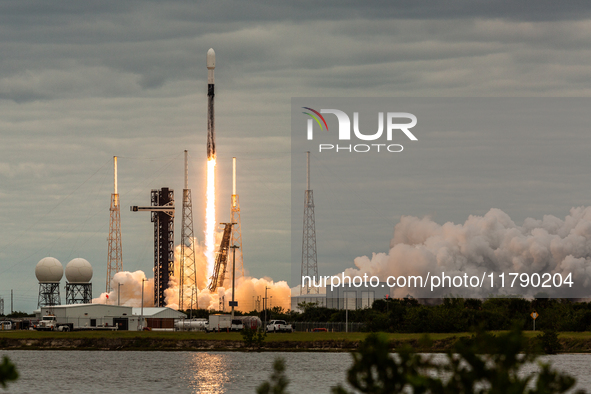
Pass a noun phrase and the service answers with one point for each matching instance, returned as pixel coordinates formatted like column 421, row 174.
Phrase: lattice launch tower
column 114, row 256
column 309, row 257
column 188, row 278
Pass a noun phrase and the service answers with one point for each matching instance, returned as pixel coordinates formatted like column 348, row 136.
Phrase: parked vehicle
column 279, row 326
column 191, row 325
column 252, row 322
column 5, row 325
column 319, row 330
column 219, row 323
column 49, row 323
column 237, row 325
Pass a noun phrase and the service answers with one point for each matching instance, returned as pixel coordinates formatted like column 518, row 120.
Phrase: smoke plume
column 131, row 290
column 492, row 243
column 247, row 288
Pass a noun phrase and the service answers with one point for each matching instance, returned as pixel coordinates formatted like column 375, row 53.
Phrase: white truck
column 219, row 323
column 279, row 326
column 49, row 323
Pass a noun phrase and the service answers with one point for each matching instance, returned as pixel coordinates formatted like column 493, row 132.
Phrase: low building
column 318, row 299
column 88, row 316
column 100, row 316
column 352, row 297
column 159, row 318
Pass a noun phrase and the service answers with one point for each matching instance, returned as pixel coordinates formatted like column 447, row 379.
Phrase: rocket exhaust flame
column 210, row 216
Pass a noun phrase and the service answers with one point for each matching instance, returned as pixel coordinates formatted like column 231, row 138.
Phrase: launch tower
column 236, row 228
column 114, row 257
column 309, row 258
column 188, row 273
column 162, row 210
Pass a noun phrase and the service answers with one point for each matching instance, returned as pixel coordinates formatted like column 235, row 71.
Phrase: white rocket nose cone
column 210, row 59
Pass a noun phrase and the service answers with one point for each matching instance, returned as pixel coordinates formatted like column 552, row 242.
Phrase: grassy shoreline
column 572, row 342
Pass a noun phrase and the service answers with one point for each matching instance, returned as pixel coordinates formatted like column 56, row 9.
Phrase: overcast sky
column 81, row 82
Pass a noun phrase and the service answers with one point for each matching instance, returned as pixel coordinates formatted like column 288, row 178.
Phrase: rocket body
column 210, row 105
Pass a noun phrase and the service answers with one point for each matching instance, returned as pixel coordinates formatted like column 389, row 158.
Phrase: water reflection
column 201, row 372
column 208, row 373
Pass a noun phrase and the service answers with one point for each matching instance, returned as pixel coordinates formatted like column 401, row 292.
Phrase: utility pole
column 118, row 293
column 233, row 303
column 11, row 302
column 192, row 295
column 346, row 313
column 142, row 313
column 265, row 306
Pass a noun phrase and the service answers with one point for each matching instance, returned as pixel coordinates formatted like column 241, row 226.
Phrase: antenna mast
column 236, row 228
column 309, row 257
column 114, row 257
column 188, row 272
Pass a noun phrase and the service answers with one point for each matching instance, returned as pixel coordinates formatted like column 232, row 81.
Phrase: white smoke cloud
column 131, row 290
column 492, row 243
column 247, row 288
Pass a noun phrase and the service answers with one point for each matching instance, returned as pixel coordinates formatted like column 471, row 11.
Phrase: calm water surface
column 199, row 372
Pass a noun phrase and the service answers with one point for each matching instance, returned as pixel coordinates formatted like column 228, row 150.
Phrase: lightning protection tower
column 188, row 278
column 162, row 210
column 114, row 257
column 309, row 258
column 236, row 228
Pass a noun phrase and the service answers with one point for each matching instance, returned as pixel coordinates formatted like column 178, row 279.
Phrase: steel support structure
column 236, row 228
column 114, row 256
column 163, row 244
column 162, row 210
column 309, row 256
column 221, row 260
column 187, row 269
column 49, row 294
column 78, row 293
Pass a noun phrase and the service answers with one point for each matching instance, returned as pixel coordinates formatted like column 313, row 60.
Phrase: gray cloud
column 82, row 82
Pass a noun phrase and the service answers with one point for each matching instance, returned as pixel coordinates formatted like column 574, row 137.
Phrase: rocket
column 210, row 111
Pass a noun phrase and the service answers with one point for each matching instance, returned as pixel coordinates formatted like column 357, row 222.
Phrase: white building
column 318, row 299
column 353, row 297
column 346, row 296
column 92, row 315
column 162, row 318
column 88, row 316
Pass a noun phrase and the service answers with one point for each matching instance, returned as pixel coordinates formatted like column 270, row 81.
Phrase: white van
column 5, row 325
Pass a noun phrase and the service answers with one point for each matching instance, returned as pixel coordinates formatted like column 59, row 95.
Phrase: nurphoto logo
column 393, row 127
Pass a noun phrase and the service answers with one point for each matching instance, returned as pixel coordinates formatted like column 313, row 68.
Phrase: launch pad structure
column 187, row 269
column 114, row 256
column 221, row 260
column 162, row 210
column 236, row 228
column 309, row 256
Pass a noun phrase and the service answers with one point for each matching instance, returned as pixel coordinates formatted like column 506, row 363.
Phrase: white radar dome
column 78, row 271
column 49, row 270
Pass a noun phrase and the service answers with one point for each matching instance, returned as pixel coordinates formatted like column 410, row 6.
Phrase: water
column 199, row 372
